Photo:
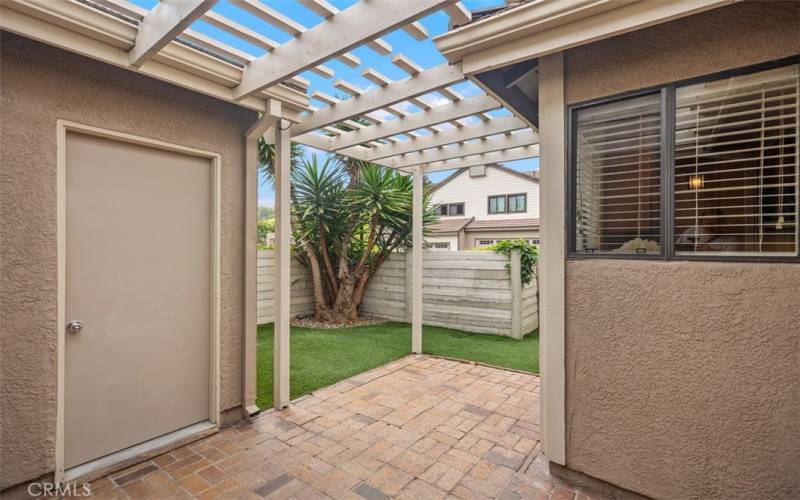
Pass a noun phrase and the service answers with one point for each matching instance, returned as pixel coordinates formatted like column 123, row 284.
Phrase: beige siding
column 40, row 85
column 474, row 193
column 682, row 376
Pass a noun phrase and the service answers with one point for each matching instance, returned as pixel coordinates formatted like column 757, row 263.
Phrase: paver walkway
column 418, row 427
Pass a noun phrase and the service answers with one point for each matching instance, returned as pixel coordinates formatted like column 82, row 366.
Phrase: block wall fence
column 469, row 290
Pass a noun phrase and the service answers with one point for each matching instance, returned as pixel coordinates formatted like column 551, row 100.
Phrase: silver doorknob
column 74, row 326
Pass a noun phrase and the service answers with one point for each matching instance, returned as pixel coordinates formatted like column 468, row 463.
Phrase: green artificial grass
column 322, row 357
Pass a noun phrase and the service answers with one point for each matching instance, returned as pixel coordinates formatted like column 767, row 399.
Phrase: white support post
column 552, row 298
column 250, row 291
column 515, row 268
column 416, row 262
column 282, row 263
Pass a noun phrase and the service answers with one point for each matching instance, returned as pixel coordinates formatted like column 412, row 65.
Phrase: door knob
column 74, row 326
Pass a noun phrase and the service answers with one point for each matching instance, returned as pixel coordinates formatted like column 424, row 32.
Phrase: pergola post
column 416, row 262
column 250, row 254
column 282, row 263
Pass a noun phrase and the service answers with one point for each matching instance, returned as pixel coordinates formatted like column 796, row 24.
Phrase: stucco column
column 416, row 263
column 551, row 192
column 282, row 263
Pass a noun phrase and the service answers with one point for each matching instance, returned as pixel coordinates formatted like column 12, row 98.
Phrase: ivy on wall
column 529, row 256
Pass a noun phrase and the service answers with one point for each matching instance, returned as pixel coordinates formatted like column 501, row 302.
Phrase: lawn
column 323, row 357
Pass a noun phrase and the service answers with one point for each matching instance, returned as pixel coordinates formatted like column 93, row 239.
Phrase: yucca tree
column 266, row 158
column 348, row 216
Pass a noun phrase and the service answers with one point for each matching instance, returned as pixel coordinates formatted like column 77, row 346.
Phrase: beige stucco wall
column 682, row 377
column 41, row 84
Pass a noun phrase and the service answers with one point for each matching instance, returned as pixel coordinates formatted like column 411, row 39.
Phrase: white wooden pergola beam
column 458, row 13
column 481, row 146
column 286, row 24
column 406, row 64
column 417, row 31
column 219, row 21
column 267, row 120
column 270, row 16
column 324, row 9
column 348, row 88
column 481, row 159
column 445, row 137
column 427, row 81
column 354, row 26
column 163, row 23
column 439, row 114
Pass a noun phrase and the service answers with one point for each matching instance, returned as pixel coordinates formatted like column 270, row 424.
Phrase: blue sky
column 424, row 53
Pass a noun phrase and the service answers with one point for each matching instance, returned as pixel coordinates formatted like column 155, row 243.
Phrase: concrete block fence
column 468, row 290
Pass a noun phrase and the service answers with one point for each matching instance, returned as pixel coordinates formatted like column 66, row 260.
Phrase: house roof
column 531, row 175
column 448, row 225
column 479, row 14
column 506, row 223
column 451, row 225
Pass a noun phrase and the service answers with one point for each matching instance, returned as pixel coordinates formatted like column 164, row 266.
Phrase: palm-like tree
column 266, row 158
column 348, row 216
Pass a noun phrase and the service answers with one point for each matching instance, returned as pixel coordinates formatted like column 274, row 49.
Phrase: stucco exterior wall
column 41, row 84
column 718, row 40
column 681, row 377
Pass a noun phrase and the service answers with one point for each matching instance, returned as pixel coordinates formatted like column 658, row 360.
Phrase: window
column 516, row 203
column 508, row 203
column 437, row 246
column 618, row 191
column 450, row 209
column 736, row 165
column 484, row 243
column 731, row 169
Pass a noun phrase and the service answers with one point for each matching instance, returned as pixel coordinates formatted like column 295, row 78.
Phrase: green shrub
column 529, row 256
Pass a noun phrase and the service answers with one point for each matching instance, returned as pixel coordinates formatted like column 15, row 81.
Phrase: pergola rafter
column 393, row 93
column 483, row 129
column 455, row 151
column 163, row 23
column 333, row 37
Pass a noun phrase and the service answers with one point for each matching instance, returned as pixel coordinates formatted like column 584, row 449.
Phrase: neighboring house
column 479, row 206
column 669, row 272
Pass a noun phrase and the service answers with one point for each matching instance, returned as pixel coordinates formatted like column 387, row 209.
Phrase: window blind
column 618, row 180
column 736, row 165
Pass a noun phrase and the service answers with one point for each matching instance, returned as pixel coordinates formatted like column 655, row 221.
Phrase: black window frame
column 447, row 209
column 667, row 166
column 505, row 198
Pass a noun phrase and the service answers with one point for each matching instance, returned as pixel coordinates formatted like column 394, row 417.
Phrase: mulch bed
column 310, row 322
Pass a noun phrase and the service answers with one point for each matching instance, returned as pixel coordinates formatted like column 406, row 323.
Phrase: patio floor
column 419, row 427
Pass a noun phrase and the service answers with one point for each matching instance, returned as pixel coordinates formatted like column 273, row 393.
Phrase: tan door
column 139, row 279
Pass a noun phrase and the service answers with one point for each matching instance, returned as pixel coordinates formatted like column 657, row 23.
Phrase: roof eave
column 544, row 27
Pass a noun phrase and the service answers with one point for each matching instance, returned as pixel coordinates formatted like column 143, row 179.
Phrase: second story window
column 450, row 209
column 508, row 204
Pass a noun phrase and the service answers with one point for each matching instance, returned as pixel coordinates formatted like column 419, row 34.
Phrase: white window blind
column 618, row 179
column 736, row 165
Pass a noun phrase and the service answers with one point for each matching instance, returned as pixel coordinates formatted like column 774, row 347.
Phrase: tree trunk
column 321, row 310
column 345, row 308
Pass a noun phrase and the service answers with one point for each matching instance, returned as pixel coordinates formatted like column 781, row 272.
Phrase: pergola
column 160, row 43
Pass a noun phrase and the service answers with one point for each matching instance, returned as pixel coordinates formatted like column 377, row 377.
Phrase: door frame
column 62, row 127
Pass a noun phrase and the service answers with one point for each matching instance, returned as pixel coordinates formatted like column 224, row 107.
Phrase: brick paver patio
column 419, row 427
